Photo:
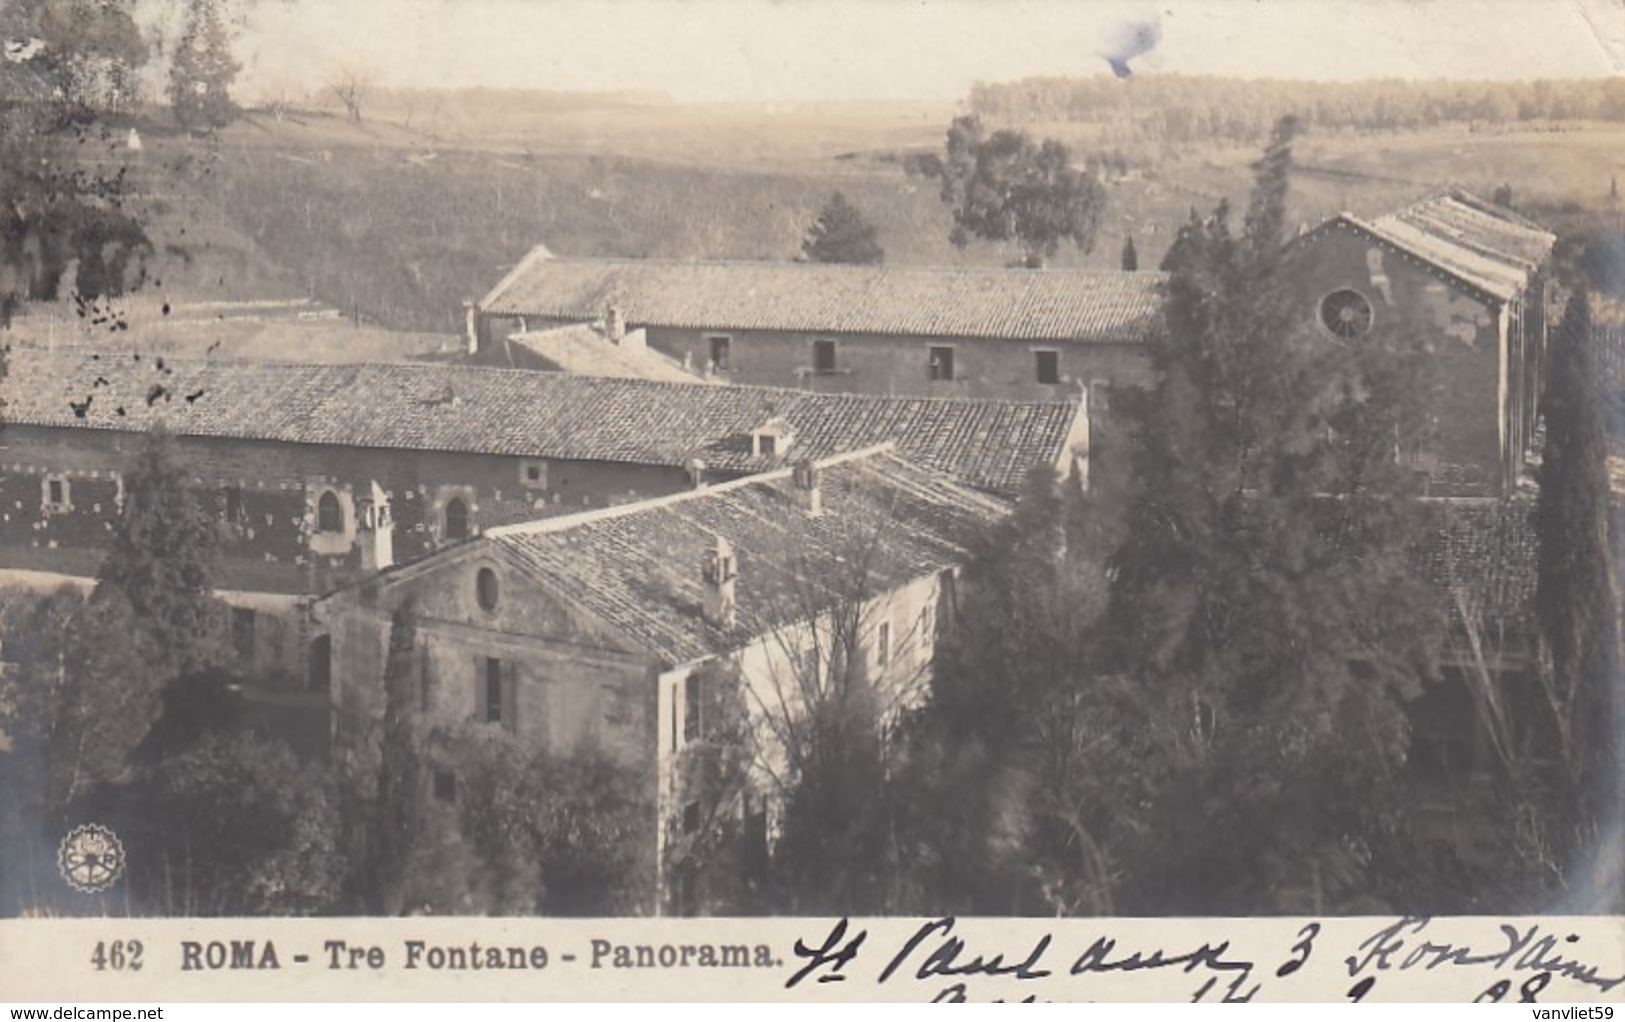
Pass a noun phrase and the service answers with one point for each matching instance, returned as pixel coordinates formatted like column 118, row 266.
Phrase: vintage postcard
column 506, row 500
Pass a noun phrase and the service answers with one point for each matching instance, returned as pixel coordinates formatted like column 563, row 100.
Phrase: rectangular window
column 231, row 499
column 691, row 708
column 533, row 474
column 691, row 818
column 883, row 644
column 242, row 632
column 941, row 366
column 493, row 691
column 1049, row 366
column 55, row 497
column 823, row 357
column 767, row 445
column 719, row 353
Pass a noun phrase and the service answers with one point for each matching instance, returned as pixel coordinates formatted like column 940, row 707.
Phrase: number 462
column 117, row 955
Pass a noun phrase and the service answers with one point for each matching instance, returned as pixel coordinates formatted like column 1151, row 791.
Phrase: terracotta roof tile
column 440, row 407
column 1080, row 306
column 885, row 522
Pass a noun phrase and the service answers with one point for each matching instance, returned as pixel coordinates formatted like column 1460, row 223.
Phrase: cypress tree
column 203, row 70
column 162, row 562
column 1577, row 602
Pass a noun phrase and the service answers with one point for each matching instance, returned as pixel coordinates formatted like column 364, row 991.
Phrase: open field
column 398, row 225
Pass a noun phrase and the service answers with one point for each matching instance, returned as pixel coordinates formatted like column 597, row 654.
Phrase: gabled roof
column 480, row 410
column 1479, row 245
column 1080, row 306
column 583, row 349
column 884, row 522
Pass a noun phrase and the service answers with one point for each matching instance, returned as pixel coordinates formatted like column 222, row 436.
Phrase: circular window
column 1346, row 314
column 486, row 589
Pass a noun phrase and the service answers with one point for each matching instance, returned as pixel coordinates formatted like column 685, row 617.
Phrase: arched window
column 329, row 515
column 456, row 518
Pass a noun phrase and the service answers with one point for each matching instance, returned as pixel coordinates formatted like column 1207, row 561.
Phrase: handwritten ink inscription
column 947, row 960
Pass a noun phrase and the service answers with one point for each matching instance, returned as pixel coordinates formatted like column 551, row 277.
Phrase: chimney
column 471, row 330
column 806, row 476
column 720, row 570
column 614, row 324
column 375, row 532
column 696, row 472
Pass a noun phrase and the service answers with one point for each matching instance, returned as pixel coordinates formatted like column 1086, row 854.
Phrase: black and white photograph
column 723, row 459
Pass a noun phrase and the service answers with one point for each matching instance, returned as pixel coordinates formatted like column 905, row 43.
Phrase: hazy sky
column 904, row 49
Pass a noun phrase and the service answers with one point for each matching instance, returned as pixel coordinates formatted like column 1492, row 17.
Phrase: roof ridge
column 558, row 523
column 517, row 371
column 813, row 266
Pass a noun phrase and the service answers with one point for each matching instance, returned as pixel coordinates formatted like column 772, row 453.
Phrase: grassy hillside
column 399, row 225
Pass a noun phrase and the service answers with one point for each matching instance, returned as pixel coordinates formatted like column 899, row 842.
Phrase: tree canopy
column 203, row 69
column 1264, row 598
column 1002, row 186
column 842, row 235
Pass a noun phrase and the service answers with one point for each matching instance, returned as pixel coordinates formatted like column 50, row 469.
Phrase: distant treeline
column 1181, row 108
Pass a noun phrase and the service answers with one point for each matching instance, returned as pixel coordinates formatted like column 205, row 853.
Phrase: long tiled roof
column 413, row 406
column 1487, row 248
column 1084, row 306
column 884, row 522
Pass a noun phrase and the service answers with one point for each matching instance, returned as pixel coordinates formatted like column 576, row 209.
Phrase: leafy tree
column 1265, row 600
column 560, row 833
column 1131, row 258
column 82, row 707
column 203, row 70
column 1027, row 767
column 1576, row 598
column 235, row 825
column 1005, row 187
column 93, row 49
column 162, row 562
column 842, row 235
column 60, row 213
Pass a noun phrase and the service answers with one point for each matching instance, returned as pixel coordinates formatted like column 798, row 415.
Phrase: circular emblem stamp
column 90, row 858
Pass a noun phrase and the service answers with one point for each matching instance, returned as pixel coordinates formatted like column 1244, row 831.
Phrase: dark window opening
column 691, row 818
column 231, row 497
column 942, row 363
column 456, row 518
column 1049, row 366
column 321, row 663
column 493, row 690
column 883, row 644
column 691, row 708
column 719, row 354
column 768, row 445
column 242, row 632
column 56, row 493
column 445, row 786
column 329, row 515
column 823, row 356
